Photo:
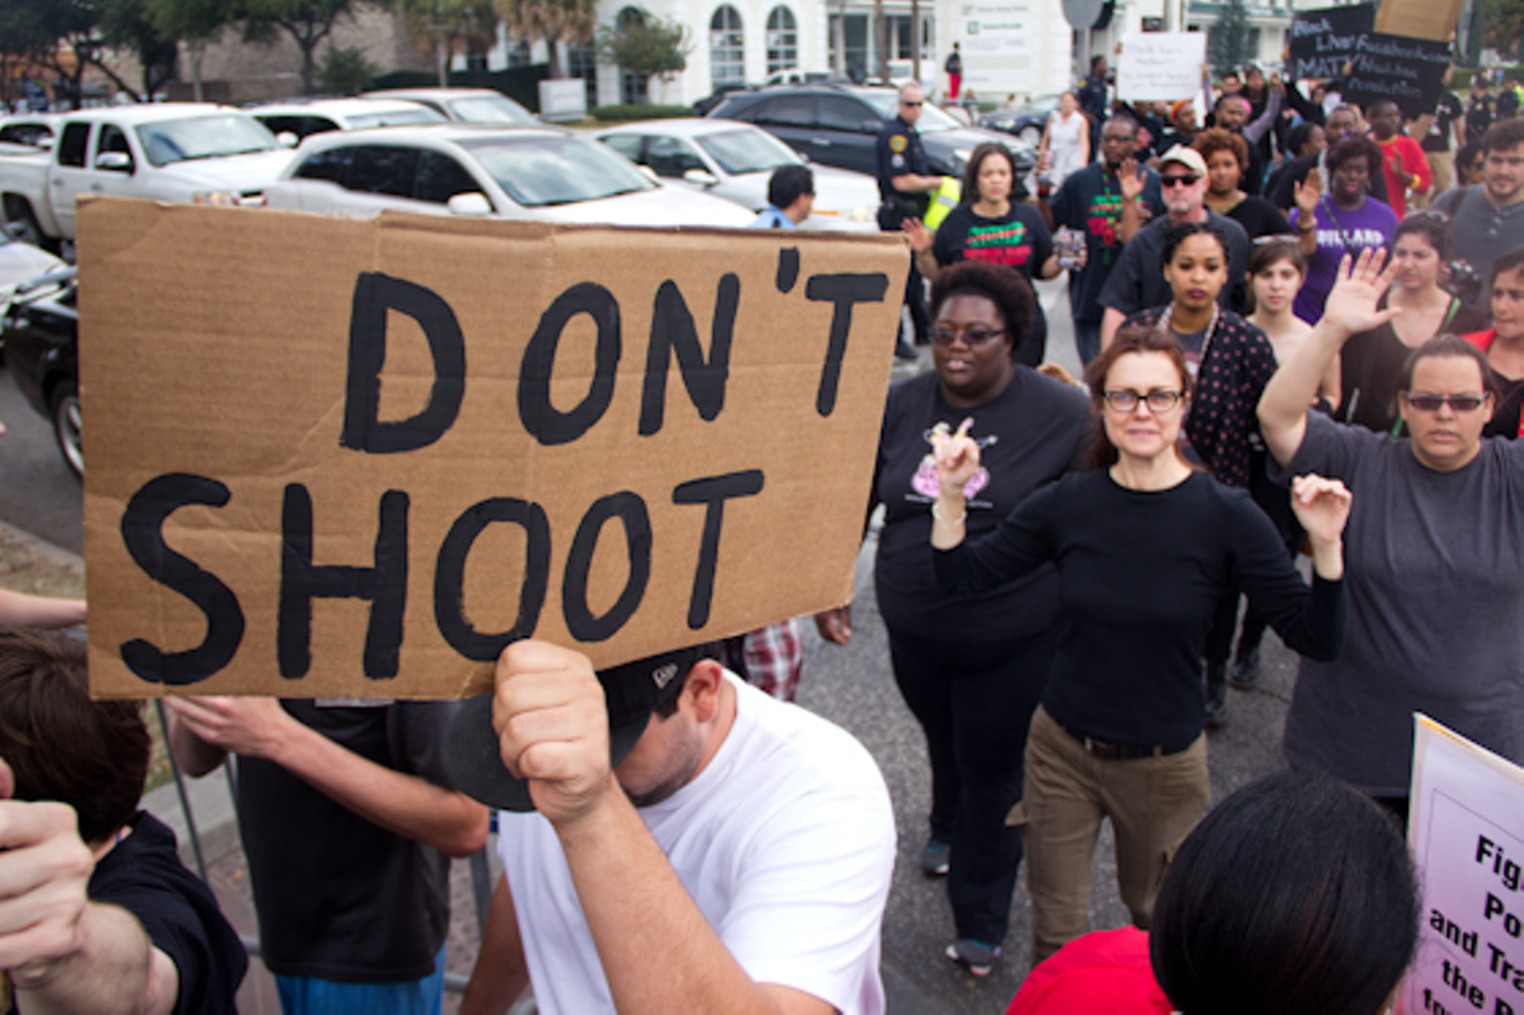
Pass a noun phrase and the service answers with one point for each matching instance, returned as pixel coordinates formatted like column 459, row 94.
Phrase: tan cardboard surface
column 216, row 357
column 1419, row 19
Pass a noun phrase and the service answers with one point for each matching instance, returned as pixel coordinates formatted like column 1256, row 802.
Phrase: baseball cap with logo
column 632, row 690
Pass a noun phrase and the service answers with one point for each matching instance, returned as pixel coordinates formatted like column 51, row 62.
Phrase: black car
column 1026, row 122
column 837, row 125
column 40, row 325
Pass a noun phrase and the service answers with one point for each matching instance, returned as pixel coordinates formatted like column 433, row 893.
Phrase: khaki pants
column 1152, row 803
column 1443, row 166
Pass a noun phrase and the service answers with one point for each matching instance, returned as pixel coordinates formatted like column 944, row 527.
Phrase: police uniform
column 898, row 152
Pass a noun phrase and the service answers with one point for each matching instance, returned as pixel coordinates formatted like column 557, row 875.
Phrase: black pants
column 975, row 702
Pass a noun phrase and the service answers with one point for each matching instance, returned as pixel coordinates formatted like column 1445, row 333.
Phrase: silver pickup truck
column 178, row 152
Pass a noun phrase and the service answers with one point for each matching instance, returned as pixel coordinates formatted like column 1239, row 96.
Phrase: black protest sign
column 1410, row 72
column 333, row 457
column 1323, row 40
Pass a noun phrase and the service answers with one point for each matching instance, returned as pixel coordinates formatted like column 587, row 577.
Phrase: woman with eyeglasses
column 1146, row 547
column 1344, row 221
column 1371, row 362
column 971, row 667
column 1435, row 551
column 991, row 226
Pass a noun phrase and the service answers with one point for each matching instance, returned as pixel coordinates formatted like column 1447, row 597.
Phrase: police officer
column 904, row 181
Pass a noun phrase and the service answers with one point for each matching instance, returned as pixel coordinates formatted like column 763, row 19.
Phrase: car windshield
column 489, row 109
column 541, row 171
column 747, row 151
column 203, row 137
column 887, row 105
column 395, row 118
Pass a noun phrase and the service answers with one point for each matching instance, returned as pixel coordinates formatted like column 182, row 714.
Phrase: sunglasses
column 971, row 336
column 1431, row 403
column 905, row 102
column 1182, row 180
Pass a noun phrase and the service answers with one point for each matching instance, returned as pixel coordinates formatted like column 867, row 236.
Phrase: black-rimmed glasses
column 1159, row 401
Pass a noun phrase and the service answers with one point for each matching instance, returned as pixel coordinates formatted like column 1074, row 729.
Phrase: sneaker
column 936, row 858
column 975, row 956
column 1246, row 670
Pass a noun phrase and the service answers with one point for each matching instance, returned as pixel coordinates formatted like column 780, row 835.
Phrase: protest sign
column 342, row 457
column 1466, row 830
column 1410, row 72
column 1323, row 40
column 1420, row 19
column 1160, row 66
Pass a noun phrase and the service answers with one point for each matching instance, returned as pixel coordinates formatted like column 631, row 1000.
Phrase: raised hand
column 1351, row 305
column 1309, row 192
column 1131, row 179
column 957, row 458
column 920, row 238
column 1322, row 506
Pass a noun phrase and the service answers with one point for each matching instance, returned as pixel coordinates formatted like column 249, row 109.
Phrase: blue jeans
column 307, row 995
column 1087, row 339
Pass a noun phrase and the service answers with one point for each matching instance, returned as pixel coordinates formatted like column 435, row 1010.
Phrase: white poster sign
column 996, row 38
column 1160, row 66
column 1466, row 830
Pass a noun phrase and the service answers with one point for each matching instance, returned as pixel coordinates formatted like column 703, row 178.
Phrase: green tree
column 197, row 23
column 446, row 27
column 1229, row 38
column 646, row 45
column 346, row 71
column 1505, row 24
column 551, row 20
column 307, row 22
column 128, row 24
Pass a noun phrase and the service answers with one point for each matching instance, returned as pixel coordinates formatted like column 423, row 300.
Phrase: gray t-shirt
column 1482, row 233
column 1435, row 579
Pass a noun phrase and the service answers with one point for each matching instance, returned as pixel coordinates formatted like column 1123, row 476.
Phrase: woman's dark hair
column 1300, row 137
column 1002, row 285
column 1354, row 147
column 1512, row 260
column 1464, row 156
column 1216, row 139
column 1179, row 234
column 1446, row 347
column 1130, row 338
column 1295, row 894
column 976, row 160
column 91, row 755
column 1432, row 227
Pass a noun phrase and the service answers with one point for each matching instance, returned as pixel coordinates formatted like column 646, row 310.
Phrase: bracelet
column 948, row 521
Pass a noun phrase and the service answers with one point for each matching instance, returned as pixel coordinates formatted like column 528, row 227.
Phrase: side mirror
column 701, row 177
column 474, row 203
column 116, row 162
column 648, row 173
column 287, row 139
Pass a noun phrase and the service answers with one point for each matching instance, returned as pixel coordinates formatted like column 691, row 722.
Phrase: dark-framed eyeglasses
column 1180, row 180
column 1159, row 401
column 1461, row 404
column 972, row 336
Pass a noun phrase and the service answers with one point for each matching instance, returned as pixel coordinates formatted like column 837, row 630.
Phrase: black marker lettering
column 713, row 491
column 544, row 421
column 844, row 291
column 630, row 510
column 450, row 575
column 673, row 331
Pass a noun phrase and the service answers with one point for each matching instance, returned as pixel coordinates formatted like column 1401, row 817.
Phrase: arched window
column 782, row 39
column 727, row 48
column 632, row 87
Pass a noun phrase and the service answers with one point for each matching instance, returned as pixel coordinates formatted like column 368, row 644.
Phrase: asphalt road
column 850, row 685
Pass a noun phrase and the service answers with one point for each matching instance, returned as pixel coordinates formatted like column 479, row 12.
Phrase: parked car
column 30, row 130
column 40, row 327
column 303, row 118
column 516, row 172
column 21, row 262
column 462, row 105
column 735, row 160
column 837, row 125
column 1026, row 122
column 173, row 151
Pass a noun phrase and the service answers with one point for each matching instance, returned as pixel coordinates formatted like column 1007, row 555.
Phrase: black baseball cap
column 633, row 691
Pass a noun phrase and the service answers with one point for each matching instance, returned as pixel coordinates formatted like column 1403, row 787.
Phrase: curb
column 38, row 545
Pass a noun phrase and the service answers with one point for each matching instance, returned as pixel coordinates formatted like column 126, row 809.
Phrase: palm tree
column 551, row 20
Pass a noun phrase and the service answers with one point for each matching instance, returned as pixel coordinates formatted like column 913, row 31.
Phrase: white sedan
column 519, row 172
column 735, row 160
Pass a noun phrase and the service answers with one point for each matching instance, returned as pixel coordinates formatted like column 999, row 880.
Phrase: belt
column 1107, row 751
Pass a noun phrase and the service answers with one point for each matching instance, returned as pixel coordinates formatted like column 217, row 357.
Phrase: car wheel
column 1031, row 135
column 21, row 223
column 66, row 426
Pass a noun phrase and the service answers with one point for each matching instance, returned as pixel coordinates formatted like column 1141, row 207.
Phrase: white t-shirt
column 785, row 841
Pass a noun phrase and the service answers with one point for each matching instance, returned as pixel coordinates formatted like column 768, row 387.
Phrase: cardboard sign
column 342, row 457
column 1323, row 40
column 1420, row 19
column 1466, row 830
column 1160, row 66
column 1410, row 72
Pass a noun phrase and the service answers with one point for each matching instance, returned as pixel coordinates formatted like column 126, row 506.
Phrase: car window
column 26, row 133
column 837, row 112
column 383, row 169
column 395, row 118
column 537, row 171
column 331, row 165
column 112, row 140
column 71, row 148
column 785, row 111
column 627, row 145
column 203, row 137
column 440, row 178
column 490, row 109
column 302, row 125
column 672, row 157
column 747, row 151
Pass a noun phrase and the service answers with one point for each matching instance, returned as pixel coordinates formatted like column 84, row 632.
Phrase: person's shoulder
column 912, row 390
column 806, row 750
column 1147, row 317
column 1235, row 232
column 1050, row 393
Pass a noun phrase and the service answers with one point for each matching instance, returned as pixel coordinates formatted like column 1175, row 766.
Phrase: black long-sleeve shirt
column 1140, row 577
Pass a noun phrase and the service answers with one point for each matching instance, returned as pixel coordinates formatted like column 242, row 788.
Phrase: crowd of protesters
column 1293, row 343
